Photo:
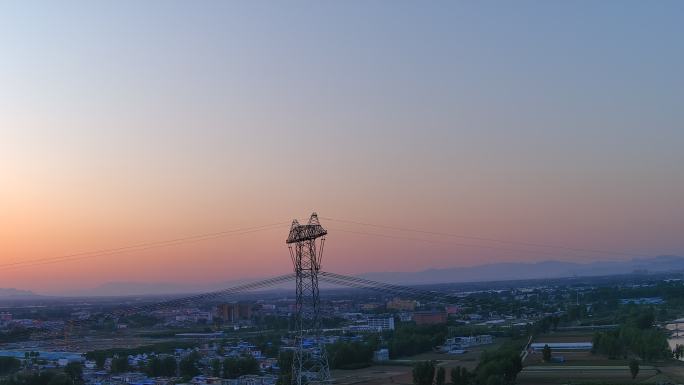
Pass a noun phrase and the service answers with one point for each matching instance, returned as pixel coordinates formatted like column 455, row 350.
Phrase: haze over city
column 530, row 122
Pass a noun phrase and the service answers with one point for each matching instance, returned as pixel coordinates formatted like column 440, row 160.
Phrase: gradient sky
column 126, row 121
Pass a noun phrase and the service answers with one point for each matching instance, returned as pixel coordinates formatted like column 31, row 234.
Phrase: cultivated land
column 583, row 367
column 468, row 360
column 400, row 370
column 374, row 375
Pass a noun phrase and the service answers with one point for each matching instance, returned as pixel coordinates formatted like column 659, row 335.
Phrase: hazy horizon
column 501, row 124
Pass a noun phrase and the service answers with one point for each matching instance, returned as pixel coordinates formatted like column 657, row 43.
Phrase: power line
column 362, row 283
column 339, row 279
column 140, row 246
column 487, row 239
column 526, row 252
column 164, row 304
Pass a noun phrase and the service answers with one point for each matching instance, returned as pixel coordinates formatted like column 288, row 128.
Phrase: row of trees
column 500, row 367
column 350, row 355
column 425, row 373
column 408, row 340
column 635, row 336
column 9, row 365
column 235, row 367
column 18, row 333
column 71, row 375
column 188, row 367
column 99, row 356
column 162, row 367
column 649, row 344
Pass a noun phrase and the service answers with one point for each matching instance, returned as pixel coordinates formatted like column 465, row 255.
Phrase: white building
column 539, row 346
column 459, row 343
column 381, row 355
column 380, row 324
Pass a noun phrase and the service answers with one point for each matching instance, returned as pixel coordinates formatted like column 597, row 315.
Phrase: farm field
column 374, row 375
column 583, row 374
column 468, row 360
column 401, row 372
column 583, row 367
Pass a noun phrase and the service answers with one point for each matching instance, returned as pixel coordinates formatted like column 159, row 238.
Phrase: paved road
column 548, row 368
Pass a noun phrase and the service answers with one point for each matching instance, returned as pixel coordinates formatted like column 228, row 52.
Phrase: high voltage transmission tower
column 310, row 361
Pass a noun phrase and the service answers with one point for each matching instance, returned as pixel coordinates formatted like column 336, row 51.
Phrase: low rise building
column 460, row 343
column 560, row 346
column 429, row 317
column 381, row 355
column 401, row 304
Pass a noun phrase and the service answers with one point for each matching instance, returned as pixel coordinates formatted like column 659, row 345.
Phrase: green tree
column 440, row 377
column 350, row 355
column 460, row 376
column 74, row 370
column 645, row 319
column 215, row 367
column 169, row 366
column 455, row 375
column 465, row 376
column 236, row 367
column 248, row 365
column 42, row 378
column 188, row 366
column 120, row 364
column 496, row 379
column 501, row 365
column 634, row 368
column 9, row 365
column 100, row 361
column 231, row 368
column 153, row 367
column 60, row 379
column 423, row 373
column 546, row 353
column 285, row 359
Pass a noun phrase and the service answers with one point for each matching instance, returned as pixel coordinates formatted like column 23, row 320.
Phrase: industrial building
column 233, row 312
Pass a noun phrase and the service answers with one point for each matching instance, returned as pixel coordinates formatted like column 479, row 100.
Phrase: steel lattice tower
column 310, row 361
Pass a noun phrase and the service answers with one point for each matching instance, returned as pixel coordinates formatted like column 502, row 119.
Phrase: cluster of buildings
column 7, row 321
column 458, row 345
column 363, row 323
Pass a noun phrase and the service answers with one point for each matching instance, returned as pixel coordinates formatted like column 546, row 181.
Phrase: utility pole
column 310, row 361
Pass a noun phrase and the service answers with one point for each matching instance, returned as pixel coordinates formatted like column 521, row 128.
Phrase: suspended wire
column 381, row 286
column 435, row 241
column 382, row 289
column 165, row 304
column 487, row 239
column 139, row 246
column 333, row 278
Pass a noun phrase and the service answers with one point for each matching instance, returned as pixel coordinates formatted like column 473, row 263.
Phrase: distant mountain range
column 16, row 293
column 519, row 270
column 480, row 273
column 490, row 272
column 157, row 288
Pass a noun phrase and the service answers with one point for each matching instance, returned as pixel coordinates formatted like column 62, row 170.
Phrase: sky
column 535, row 121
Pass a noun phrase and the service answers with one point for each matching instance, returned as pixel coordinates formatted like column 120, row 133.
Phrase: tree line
column 72, row 374
column 636, row 336
column 500, row 367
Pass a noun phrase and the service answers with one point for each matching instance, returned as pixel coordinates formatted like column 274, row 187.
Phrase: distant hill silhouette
column 520, row 270
column 156, row 288
column 15, row 293
column 480, row 273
